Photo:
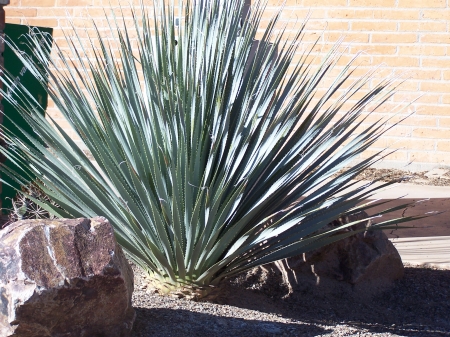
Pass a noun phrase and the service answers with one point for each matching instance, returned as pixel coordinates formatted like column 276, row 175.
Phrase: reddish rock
column 64, row 278
column 364, row 264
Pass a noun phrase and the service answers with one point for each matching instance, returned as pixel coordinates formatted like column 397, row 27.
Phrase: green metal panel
column 17, row 69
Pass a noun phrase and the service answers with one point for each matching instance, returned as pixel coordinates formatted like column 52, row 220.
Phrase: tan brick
column 429, row 50
column 372, row 3
column 416, row 120
column 397, row 61
column 443, row 158
column 399, row 131
column 445, row 122
column 64, row 43
column 423, row 3
column 86, row 33
column 294, row 12
column 349, row 36
column 328, row 25
column 434, row 110
column 13, row 20
column 409, row 143
column 417, row 98
column 388, row 107
column 397, row 119
column 322, row 3
column 373, row 25
column 374, row 49
column 277, row 3
column 34, row 3
column 435, row 38
column 441, row 63
column 105, row 3
column 446, row 99
column 420, row 74
column 90, row 11
column 443, row 14
column 362, row 59
column 54, row 12
column 81, row 22
column 394, row 38
column 420, row 157
column 446, row 75
column 410, row 86
column 382, row 72
column 433, row 26
column 320, row 48
column 337, row 25
column 396, row 156
column 443, row 146
column 75, row 2
column 58, row 32
column 21, row 12
column 432, row 133
column 396, row 14
column 380, row 144
column 347, row 13
column 430, row 157
column 358, row 95
column 371, row 118
column 42, row 22
column 312, row 59
column 435, row 87
column 423, row 26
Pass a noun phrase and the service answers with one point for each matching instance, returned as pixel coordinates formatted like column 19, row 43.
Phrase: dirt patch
column 417, row 178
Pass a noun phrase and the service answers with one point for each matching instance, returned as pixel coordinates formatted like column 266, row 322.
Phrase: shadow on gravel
column 418, row 305
column 179, row 322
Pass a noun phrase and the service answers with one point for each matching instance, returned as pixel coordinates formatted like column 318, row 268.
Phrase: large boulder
column 364, row 264
column 64, row 278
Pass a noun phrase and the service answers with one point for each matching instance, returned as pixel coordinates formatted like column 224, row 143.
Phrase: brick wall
column 405, row 36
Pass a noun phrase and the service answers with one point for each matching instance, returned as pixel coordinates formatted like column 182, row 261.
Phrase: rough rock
column 64, row 278
column 364, row 264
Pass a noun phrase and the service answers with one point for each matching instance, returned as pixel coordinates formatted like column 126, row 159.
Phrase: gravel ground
column 417, row 305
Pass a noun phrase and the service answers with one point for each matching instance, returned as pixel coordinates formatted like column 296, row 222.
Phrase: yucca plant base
column 166, row 287
column 185, row 288
column 210, row 160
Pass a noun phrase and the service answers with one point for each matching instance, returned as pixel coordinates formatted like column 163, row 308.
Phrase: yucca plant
column 208, row 161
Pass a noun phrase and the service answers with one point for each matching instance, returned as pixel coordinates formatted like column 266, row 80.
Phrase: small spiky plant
column 25, row 208
column 209, row 161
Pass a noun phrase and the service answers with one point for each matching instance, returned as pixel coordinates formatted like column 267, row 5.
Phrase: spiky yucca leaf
column 209, row 161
